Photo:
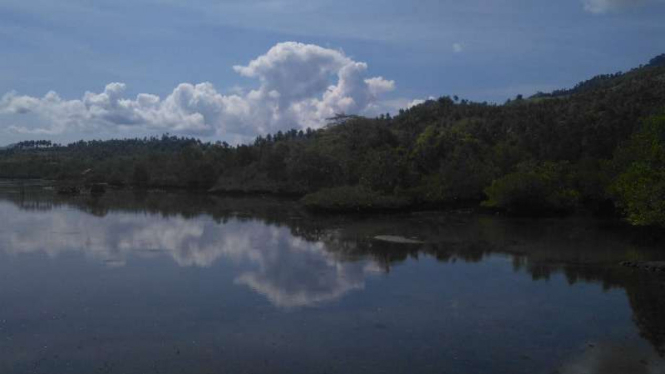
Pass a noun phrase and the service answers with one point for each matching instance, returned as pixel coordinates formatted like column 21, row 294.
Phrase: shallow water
column 174, row 283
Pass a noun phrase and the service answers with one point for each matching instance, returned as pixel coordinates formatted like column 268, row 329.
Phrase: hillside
column 550, row 153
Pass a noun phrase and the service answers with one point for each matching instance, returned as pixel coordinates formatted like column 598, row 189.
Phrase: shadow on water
column 317, row 259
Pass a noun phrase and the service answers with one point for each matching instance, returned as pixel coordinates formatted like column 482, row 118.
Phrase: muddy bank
column 654, row 266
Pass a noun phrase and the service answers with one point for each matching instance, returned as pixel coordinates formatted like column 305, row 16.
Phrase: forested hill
column 598, row 145
column 603, row 80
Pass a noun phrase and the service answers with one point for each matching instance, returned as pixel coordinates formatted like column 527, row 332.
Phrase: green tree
column 140, row 176
column 383, row 170
column 639, row 188
column 534, row 188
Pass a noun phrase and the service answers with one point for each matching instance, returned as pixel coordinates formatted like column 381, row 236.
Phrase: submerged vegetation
column 599, row 144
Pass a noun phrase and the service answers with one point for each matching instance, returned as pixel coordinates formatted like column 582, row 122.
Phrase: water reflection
column 610, row 358
column 297, row 260
column 289, row 270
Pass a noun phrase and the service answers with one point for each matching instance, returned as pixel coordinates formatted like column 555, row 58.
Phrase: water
column 174, row 283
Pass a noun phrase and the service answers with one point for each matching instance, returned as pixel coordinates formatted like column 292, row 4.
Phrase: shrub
column 534, row 188
column 639, row 187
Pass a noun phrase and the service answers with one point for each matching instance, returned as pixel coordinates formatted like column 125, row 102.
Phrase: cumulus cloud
column 603, row 6
column 415, row 102
column 299, row 86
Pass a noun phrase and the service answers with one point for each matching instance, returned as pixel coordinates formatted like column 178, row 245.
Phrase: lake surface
column 162, row 282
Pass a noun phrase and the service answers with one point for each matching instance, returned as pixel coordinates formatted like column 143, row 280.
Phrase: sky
column 233, row 69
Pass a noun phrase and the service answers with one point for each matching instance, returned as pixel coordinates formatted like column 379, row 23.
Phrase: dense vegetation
column 599, row 145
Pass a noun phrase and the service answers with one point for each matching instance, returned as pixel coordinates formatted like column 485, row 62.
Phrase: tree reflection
column 608, row 358
column 295, row 259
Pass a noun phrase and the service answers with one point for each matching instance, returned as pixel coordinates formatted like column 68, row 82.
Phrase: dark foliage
column 549, row 152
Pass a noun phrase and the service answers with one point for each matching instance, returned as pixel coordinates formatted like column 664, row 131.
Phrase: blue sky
column 363, row 57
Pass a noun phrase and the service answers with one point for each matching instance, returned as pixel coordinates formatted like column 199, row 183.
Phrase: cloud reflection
column 289, row 271
column 614, row 359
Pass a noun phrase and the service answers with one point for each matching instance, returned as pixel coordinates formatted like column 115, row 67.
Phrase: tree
column 534, row 188
column 383, row 170
column 140, row 176
column 640, row 187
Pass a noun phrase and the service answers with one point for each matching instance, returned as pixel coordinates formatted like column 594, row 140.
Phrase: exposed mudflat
column 655, row 266
column 397, row 239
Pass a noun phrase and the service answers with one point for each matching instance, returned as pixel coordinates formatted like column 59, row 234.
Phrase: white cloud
column 458, row 47
column 378, row 85
column 300, row 85
column 603, row 6
column 415, row 102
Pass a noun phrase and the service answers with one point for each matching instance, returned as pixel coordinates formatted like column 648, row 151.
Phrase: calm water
column 174, row 283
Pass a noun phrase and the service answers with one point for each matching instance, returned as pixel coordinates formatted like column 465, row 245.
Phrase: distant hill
column 8, row 146
column 657, row 61
column 552, row 152
column 603, row 80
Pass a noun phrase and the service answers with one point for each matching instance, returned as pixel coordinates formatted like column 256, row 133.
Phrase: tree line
column 600, row 145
